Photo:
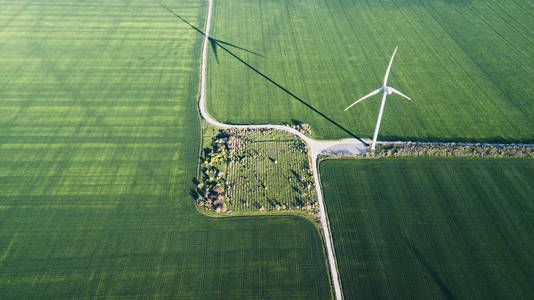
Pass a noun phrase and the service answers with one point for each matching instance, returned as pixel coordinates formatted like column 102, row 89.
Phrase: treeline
column 212, row 185
column 450, row 150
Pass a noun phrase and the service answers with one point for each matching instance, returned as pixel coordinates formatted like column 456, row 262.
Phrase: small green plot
column 255, row 171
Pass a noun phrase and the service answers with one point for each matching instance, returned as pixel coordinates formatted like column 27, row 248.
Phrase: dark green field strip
column 155, row 253
column 466, row 64
column 432, row 228
column 99, row 141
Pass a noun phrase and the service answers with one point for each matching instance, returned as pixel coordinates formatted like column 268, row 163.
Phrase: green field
column 432, row 228
column 467, row 64
column 99, row 144
column 255, row 172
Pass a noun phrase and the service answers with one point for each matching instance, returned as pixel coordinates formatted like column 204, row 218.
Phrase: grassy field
column 256, row 172
column 467, row 64
column 99, row 142
column 432, row 228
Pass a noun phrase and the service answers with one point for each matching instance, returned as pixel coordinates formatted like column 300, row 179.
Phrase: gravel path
column 344, row 146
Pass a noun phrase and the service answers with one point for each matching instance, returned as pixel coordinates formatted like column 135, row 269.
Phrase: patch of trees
column 240, row 169
column 304, row 128
column 211, row 189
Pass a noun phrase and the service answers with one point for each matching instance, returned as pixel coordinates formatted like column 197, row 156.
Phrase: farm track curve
column 343, row 146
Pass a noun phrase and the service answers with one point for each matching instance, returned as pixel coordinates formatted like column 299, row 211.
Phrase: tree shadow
column 221, row 44
column 297, row 176
column 193, row 192
column 296, row 122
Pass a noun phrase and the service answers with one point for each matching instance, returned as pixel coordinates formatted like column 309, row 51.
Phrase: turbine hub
column 387, row 90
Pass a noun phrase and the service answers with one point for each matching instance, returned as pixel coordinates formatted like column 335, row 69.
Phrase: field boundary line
column 316, row 147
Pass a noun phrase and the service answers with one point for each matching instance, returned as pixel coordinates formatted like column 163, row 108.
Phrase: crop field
column 256, row 172
column 271, row 165
column 99, row 144
column 468, row 65
column 415, row 228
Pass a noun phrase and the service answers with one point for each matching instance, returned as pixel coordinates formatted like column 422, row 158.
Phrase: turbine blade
column 364, row 97
column 399, row 93
column 389, row 66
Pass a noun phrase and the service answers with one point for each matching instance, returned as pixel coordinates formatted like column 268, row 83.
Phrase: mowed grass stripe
column 99, row 144
column 432, row 228
column 466, row 64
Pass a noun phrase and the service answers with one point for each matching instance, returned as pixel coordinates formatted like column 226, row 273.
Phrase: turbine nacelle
column 387, row 89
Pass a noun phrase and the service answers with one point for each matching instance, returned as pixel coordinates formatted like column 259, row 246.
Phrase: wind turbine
column 387, row 91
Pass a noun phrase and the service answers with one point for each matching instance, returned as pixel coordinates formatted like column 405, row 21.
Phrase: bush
column 452, row 150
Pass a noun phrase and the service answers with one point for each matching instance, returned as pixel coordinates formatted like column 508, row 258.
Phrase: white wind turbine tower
column 387, row 91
